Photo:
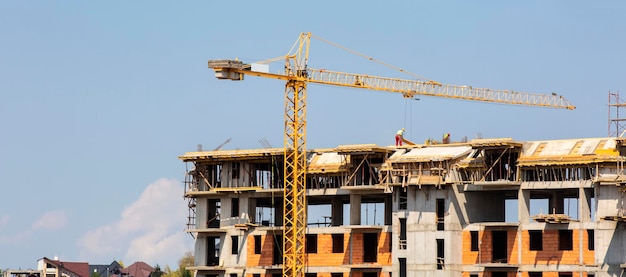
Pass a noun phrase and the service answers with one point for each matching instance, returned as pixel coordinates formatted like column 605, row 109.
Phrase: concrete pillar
column 388, row 213
column 355, row 209
column 336, row 212
column 584, row 204
column 523, row 206
column 556, row 203
column 249, row 207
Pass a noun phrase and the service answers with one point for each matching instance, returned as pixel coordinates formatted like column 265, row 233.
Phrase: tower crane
column 297, row 75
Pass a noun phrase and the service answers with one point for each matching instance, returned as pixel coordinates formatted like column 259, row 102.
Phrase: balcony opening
column 212, row 251
column 213, row 214
column 499, row 246
column 370, row 247
column 319, row 215
column 372, row 211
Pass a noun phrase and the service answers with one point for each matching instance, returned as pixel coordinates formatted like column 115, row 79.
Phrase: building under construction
column 488, row 207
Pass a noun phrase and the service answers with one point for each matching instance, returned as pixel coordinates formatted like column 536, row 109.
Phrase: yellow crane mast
column 297, row 75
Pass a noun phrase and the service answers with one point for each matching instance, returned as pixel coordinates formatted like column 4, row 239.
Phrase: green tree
column 157, row 271
column 186, row 261
column 95, row 274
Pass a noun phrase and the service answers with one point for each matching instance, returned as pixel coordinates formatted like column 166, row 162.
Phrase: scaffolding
column 616, row 125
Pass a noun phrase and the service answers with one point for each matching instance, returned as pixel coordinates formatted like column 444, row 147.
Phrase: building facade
column 493, row 207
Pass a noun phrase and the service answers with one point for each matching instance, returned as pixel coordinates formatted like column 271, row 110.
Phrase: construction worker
column 446, row 138
column 399, row 137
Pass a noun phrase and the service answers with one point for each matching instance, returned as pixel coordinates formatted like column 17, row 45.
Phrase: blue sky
column 98, row 99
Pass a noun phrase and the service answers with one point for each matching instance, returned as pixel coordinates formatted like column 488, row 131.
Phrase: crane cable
column 419, row 77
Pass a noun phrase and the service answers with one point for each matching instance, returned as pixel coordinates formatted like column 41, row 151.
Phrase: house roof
column 80, row 269
column 138, row 269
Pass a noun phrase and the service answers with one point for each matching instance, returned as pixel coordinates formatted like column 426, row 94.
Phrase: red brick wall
column 324, row 255
column 549, row 255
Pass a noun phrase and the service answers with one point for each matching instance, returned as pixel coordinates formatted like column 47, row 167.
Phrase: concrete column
column 523, row 206
column 388, row 213
column 355, row 209
column 249, row 207
column 336, row 212
column 584, row 202
column 556, row 203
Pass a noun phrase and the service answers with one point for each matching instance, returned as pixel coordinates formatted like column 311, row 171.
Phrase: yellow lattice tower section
column 294, row 219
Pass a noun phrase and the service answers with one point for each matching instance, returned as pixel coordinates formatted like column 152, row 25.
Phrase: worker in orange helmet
column 399, row 136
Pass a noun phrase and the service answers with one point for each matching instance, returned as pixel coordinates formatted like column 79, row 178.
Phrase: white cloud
column 149, row 230
column 51, row 221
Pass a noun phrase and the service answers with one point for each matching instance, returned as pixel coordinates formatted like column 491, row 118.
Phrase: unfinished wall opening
column 558, row 173
column 536, row 240
column 213, row 213
column 402, row 239
column 561, row 201
column 440, row 254
column 565, row 274
column 266, row 211
column 310, row 274
column 233, row 275
column 336, row 274
column 441, row 212
column 370, row 274
column 372, row 210
column 257, row 244
column 337, row 243
column 268, row 175
column 501, row 164
column 474, row 240
column 402, row 265
column 370, row 247
column 234, row 245
column 591, row 240
column 319, row 215
column 535, row 274
column 208, row 175
column 565, row 240
column 277, row 257
column 511, row 212
column 212, row 251
column 311, row 243
column 402, row 198
column 234, row 207
column 236, row 168
column 499, row 246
